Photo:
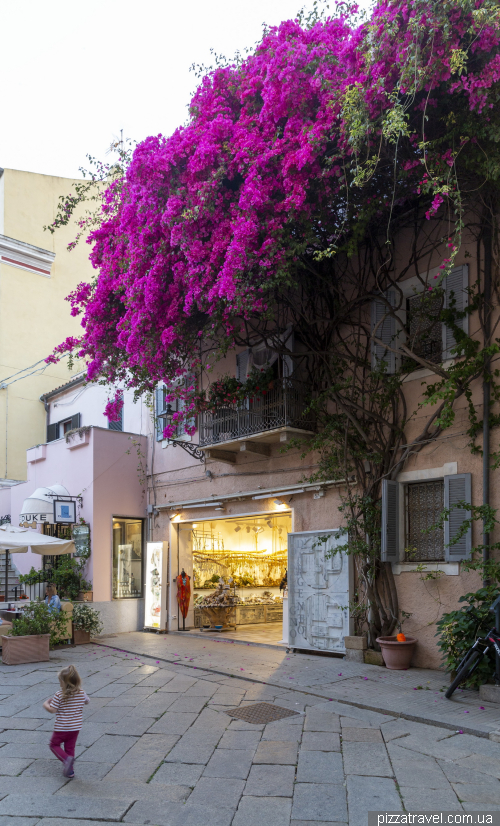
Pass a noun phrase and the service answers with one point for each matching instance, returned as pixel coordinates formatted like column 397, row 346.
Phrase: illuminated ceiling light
column 195, row 524
column 220, row 508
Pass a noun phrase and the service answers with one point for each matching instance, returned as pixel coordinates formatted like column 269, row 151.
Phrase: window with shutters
column 424, row 328
column 424, row 505
column 417, row 319
column 59, row 429
column 164, row 409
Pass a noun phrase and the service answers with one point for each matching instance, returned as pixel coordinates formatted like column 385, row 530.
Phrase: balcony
column 252, row 425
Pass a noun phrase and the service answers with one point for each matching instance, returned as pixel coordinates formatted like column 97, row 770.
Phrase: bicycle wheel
column 465, row 672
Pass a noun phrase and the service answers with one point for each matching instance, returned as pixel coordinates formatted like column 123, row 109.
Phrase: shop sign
column 34, row 517
column 319, row 590
column 64, row 512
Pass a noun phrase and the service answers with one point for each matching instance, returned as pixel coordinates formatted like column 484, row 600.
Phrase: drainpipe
column 487, row 242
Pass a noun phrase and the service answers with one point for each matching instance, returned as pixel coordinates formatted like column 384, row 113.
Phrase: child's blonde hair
column 70, row 681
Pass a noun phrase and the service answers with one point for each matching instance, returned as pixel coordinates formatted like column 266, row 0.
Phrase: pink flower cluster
column 207, row 220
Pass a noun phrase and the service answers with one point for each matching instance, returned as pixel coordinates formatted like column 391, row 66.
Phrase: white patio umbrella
column 18, row 540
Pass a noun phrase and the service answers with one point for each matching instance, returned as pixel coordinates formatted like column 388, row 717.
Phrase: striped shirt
column 69, row 711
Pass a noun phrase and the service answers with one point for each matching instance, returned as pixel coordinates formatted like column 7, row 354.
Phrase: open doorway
column 243, row 560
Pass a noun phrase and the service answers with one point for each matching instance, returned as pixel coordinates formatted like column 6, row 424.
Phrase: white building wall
column 90, row 401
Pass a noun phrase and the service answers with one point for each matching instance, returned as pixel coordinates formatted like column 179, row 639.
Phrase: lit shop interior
column 236, row 568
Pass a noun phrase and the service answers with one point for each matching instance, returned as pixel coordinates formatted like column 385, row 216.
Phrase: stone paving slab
column 274, row 752
column 320, row 767
column 182, row 774
column 229, row 763
column 366, row 759
column 256, row 811
column 369, row 794
column 315, row 801
column 270, row 781
column 178, row 814
column 62, row 808
column 428, row 800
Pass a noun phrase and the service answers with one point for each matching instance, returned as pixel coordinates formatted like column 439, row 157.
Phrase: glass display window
column 127, row 558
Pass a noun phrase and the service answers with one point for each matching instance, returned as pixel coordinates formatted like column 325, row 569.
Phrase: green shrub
column 86, row 618
column 37, row 619
column 459, row 629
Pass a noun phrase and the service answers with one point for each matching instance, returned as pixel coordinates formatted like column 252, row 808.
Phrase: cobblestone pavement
column 159, row 748
column 416, row 694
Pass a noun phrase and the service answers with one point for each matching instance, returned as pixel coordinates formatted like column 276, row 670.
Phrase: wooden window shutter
column 75, row 421
column 159, row 409
column 455, row 294
column 390, row 521
column 242, row 365
column 385, row 332
column 52, row 432
column 457, row 489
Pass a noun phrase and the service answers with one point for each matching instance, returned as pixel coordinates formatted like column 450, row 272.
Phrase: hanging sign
column 64, row 512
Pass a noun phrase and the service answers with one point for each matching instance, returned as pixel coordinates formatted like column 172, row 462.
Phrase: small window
column 127, row 558
column 425, row 330
column 424, row 505
column 66, row 426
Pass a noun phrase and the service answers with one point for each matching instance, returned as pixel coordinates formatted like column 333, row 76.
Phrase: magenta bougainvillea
column 278, row 159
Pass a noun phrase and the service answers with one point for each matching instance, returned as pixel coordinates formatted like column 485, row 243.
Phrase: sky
column 76, row 74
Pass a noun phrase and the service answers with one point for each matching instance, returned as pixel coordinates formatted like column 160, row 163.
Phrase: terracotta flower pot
column 33, row 648
column 397, row 655
column 80, row 637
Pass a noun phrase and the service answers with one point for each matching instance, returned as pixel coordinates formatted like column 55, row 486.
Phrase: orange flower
column 401, row 638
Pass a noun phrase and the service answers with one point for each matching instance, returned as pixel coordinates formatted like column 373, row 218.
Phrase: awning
column 20, row 540
column 39, row 507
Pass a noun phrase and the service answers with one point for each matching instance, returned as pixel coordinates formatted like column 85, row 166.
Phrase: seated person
column 52, row 600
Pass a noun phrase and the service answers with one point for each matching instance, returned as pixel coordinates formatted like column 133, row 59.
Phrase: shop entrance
column 236, row 567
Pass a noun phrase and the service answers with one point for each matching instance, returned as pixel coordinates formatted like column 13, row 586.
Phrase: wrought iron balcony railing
column 285, row 405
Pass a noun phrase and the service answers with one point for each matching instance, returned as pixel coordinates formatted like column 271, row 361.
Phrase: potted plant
column 32, row 634
column 86, row 623
column 397, row 650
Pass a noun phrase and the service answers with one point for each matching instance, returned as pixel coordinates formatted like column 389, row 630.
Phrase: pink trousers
column 68, row 739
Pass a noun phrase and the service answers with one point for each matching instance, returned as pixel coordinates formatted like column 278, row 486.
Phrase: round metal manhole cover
column 261, row 713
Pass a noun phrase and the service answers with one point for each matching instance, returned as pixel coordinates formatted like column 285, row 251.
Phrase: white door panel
column 319, row 591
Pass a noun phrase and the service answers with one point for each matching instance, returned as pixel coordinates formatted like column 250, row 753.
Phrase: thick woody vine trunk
column 383, row 599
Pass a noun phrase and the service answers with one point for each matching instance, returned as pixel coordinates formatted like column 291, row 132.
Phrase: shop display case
column 155, row 607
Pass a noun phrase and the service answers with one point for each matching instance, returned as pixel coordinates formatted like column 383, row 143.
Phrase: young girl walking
column 67, row 704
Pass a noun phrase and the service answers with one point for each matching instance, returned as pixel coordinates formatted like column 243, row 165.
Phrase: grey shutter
column 457, row 489
column 390, row 521
column 159, row 409
column 75, row 421
column 52, row 432
column 189, row 381
column 385, row 332
column 118, row 424
column 455, row 292
column 242, row 365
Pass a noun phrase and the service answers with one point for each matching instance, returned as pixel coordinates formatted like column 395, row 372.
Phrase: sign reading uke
column 319, row 590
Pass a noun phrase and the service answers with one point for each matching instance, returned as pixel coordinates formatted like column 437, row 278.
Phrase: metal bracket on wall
column 191, row 448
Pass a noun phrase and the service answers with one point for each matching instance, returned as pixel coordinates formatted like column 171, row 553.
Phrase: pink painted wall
column 104, row 472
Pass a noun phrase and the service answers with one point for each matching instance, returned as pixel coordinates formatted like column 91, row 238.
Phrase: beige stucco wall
column 34, row 317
